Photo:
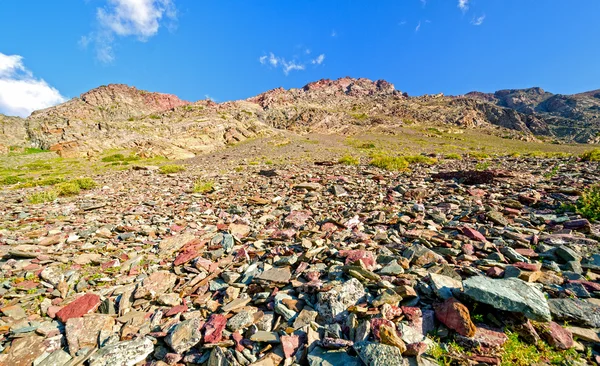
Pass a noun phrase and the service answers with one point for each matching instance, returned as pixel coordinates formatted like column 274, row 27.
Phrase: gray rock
column 184, row 335
column 322, row 357
column 509, row 294
column 379, row 354
column 333, row 304
column 445, row 286
column 575, row 311
column 124, row 353
column 56, row 358
column 567, row 254
column 392, row 268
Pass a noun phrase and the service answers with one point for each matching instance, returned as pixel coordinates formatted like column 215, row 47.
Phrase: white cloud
column 319, row 60
column 418, row 27
column 20, row 92
column 123, row 18
column 463, row 5
column 478, row 20
column 333, row 33
column 286, row 66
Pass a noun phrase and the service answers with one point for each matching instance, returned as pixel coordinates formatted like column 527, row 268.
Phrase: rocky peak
column 350, row 86
column 113, row 95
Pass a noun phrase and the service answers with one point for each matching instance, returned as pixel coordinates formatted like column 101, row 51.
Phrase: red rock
column 85, row 304
column 213, row 329
column 391, row 312
column 412, row 313
column 485, row 359
column 237, row 338
column 589, row 285
column 528, row 266
column 367, row 258
column 473, row 234
column 556, row 336
column 378, row 322
column 176, row 310
column 511, row 211
column 52, row 310
column 468, row 249
column 485, row 337
column 415, row 349
column 495, row 272
column 185, row 257
column 455, row 316
column 27, row 285
column 290, row 345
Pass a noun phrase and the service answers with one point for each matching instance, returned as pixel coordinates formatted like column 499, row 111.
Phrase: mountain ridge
column 120, row 116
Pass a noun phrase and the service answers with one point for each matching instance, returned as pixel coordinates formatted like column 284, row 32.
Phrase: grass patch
column 519, row 353
column 203, row 186
column 389, row 162
column 85, row 183
column 349, row 160
column 482, row 166
column 119, row 158
column 420, row 159
column 37, row 166
column 453, row 156
column 11, row 179
column 42, row 197
column 169, row 169
column 588, row 204
column 591, row 155
column 41, row 182
column 67, row 189
column 478, row 155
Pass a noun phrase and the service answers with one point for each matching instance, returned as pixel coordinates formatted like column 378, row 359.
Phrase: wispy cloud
column 319, row 60
column 296, row 64
column 463, row 5
column 478, row 20
column 418, row 27
column 424, row 2
column 128, row 18
column 333, row 33
column 20, row 92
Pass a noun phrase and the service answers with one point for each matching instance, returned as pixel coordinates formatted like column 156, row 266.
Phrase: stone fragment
column 556, row 336
column 184, row 335
column 510, row 295
column 213, row 329
column 445, row 287
column 378, row 354
column 123, row 353
column 85, row 304
column 575, row 311
column 84, row 332
column 276, row 274
column 455, row 316
column 322, row 357
column 333, row 304
column 156, row 284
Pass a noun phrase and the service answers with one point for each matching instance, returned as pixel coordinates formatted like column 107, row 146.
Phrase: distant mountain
column 119, row 116
column 573, row 117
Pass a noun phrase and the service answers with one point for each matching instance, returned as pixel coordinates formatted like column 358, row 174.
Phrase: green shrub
column 11, row 179
column 42, row 197
column 482, row 166
column 389, row 162
column 591, row 155
column 588, row 204
column 168, row 169
column 67, row 189
column 349, row 160
column 478, row 155
column 113, row 157
column 518, row 353
column 40, row 183
column 420, row 159
column 453, row 156
column 203, row 186
column 37, row 166
column 85, row 183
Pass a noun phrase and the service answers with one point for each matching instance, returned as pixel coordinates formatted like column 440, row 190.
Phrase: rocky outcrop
column 12, row 132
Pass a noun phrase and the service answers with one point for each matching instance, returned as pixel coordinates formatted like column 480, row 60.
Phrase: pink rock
column 527, row 252
column 415, row 349
column 485, row 337
column 556, row 336
column 378, row 322
column 364, row 256
column 495, row 272
column 85, row 304
column 290, row 345
column 455, row 315
column 412, row 313
column 468, row 249
column 589, row 285
column 473, row 234
column 185, row 257
column 176, row 310
column 528, row 266
column 391, row 312
column 237, row 338
column 213, row 329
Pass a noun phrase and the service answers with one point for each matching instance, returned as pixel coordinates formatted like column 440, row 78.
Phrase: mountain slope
column 122, row 117
column 572, row 117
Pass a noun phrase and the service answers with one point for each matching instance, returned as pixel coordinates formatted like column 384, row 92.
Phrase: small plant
column 169, row 169
column 588, row 204
column 482, row 166
column 478, row 318
column 518, row 353
column 154, row 116
column 349, row 160
column 11, row 179
column 420, row 159
column 42, row 197
column 131, row 119
column 203, row 186
column 478, row 155
column 552, row 172
column 67, row 189
column 453, row 156
column 359, row 116
column 389, row 162
column 85, row 183
column 591, row 155
column 119, row 158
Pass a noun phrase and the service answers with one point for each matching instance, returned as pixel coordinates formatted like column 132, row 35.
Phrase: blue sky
column 54, row 50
